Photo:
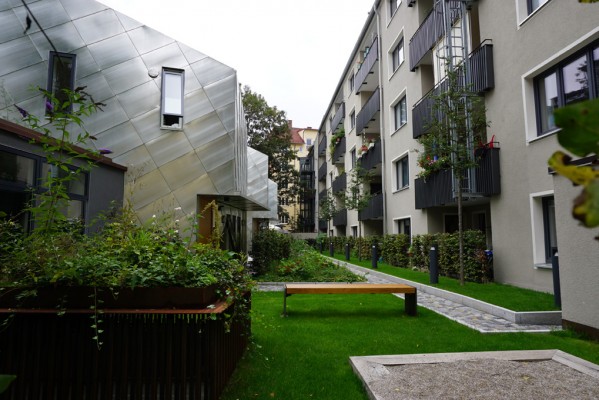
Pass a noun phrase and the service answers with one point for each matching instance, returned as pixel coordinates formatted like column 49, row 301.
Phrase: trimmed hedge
column 268, row 247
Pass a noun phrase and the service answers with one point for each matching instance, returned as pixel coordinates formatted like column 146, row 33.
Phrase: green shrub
column 394, row 250
column 268, row 248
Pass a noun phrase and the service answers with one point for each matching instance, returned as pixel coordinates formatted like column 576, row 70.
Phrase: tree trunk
column 460, row 231
column 360, row 240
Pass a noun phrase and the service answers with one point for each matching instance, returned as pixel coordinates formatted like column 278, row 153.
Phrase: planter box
column 82, row 297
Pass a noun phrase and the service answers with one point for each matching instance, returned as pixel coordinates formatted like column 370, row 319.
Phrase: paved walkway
column 475, row 319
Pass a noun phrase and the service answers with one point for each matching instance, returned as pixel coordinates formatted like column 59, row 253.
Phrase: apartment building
column 173, row 115
column 525, row 61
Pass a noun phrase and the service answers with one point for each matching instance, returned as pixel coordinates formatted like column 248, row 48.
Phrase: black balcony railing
column 322, row 172
column 340, row 183
column 368, row 112
column 374, row 210
column 373, row 157
column 437, row 189
column 339, row 152
column 340, row 219
column 322, row 146
column 430, row 31
column 480, row 63
column 322, row 225
column 338, row 118
column 322, row 194
column 368, row 64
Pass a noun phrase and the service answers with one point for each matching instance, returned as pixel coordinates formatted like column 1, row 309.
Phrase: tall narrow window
column 393, row 6
column 400, row 113
column 353, row 158
column 397, row 56
column 534, row 4
column 173, row 81
column 402, row 173
column 549, row 228
column 61, row 76
column 352, row 119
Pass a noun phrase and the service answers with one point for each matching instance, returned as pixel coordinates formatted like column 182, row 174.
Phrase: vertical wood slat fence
column 146, row 355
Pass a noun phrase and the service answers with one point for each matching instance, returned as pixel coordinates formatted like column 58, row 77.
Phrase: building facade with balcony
column 510, row 55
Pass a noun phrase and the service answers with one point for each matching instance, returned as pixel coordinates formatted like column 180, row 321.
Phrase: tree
column 268, row 132
column 357, row 196
column 457, row 122
column 327, row 207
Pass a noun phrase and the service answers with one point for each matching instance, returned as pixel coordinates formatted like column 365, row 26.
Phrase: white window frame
column 396, row 177
column 352, row 119
column 528, row 86
column 396, row 42
column 393, row 11
column 396, row 222
column 171, row 109
column 538, row 228
column 402, row 96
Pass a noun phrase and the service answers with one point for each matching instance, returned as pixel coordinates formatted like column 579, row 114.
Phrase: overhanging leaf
column 586, row 206
column 580, row 127
column 5, row 380
column 580, row 175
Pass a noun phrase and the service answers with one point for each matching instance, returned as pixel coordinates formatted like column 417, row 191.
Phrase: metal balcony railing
column 437, row 189
column 322, row 194
column 322, row 146
column 373, row 157
column 322, row 172
column 340, row 219
column 340, row 183
column 429, row 32
column 339, row 152
column 482, row 79
column 374, row 210
column 367, row 113
column 368, row 64
column 322, row 225
column 338, row 118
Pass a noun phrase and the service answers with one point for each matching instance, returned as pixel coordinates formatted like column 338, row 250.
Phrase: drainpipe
column 383, row 117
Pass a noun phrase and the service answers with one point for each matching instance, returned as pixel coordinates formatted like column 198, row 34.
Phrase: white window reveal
column 173, row 83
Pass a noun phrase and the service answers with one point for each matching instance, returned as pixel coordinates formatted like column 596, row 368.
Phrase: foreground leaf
column 5, row 380
column 580, row 175
column 580, row 127
column 586, row 205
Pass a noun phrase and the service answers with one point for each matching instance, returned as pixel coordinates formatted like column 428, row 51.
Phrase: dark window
column 403, row 226
column 400, row 113
column 351, row 83
column 549, row 228
column 352, row 120
column 393, row 5
column 353, row 158
column 402, row 173
column 61, row 76
column 573, row 80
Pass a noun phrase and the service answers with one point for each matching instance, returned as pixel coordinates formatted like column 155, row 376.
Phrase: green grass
column 510, row 297
column 306, row 356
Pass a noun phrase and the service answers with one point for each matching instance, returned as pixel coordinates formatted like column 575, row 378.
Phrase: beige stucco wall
column 578, row 259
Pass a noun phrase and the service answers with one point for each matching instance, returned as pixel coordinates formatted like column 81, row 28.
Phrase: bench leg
column 410, row 300
column 284, row 303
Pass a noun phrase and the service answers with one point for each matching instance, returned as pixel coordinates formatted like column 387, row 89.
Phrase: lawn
column 306, row 356
column 510, row 297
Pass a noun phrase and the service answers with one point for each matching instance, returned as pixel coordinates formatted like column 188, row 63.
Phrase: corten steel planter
column 81, row 297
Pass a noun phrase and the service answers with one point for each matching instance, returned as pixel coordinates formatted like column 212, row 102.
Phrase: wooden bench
column 351, row 288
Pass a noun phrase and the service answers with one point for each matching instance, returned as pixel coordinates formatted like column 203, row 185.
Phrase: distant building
column 173, row 115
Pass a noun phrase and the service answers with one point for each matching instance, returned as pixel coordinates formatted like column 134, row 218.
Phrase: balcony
column 338, row 118
column 322, row 172
column 322, row 225
column 322, row 146
column 322, row 194
column 340, row 183
column 340, row 219
column 374, row 209
column 373, row 157
column 367, row 77
column 437, row 189
column 430, row 31
column 367, row 119
column 482, row 79
column 339, row 152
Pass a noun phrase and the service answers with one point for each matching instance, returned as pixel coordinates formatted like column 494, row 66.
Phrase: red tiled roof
column 295, row 136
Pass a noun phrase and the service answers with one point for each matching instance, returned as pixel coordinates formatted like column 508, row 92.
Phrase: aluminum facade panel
column 86, row 65
column 10, row 27
column 65, row 37
column 222, row 93
column 202, row 130
column 221, row 178
column 186, row 195
column 148, row 189
column 209, row 71
column 227, row 116
column 112, row 115
column 216, row 153
column 53, row 14
column 120, row 139
column 192, row 55
column 196, row 105
column 146, row 39
column 128, row 22
column 19, row 83
column 78, row 9
column 170, row 145
column 17, row 54
column 138, row 161
column 182, row 170
column 139, row 99
column 147, row 125
column 127, row 75
column 99, row 26
column 168, row 56
column 113, row 51
column 97, row 85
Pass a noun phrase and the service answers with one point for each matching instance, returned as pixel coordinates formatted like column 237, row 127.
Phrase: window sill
column 401, row 189
column 398, row 129
column 546, row 135
column 545, row 266
column 532, row 14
